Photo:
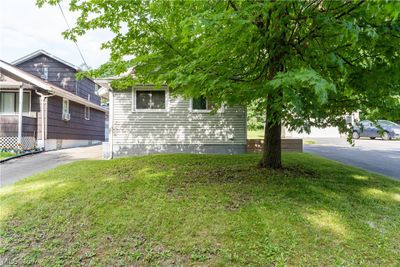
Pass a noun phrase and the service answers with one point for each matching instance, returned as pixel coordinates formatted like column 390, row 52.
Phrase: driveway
column 20, row 168
column 378, row 156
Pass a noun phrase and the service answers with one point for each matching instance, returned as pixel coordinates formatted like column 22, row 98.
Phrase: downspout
column 110, row 123
column 20, row 108
column 42, row 101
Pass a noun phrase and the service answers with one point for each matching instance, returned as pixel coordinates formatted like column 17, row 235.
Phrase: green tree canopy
column 307, row 63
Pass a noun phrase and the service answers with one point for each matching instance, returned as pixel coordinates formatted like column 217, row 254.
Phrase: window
column 151, row 100
column 65, row 106
column 202, row 104
column 366, row 123
column 45, row 74
column 87, row 113
column 387, row 123
column 9, row 102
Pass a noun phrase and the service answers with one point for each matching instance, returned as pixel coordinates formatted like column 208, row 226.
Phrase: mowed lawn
column 202, row 210
column 4, row 155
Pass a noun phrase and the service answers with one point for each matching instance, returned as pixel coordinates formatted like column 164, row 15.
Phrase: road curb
column 21, row 155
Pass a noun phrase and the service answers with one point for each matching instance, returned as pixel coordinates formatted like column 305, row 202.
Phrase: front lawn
column 4, row 155
column 255, row 134
column 202, row 210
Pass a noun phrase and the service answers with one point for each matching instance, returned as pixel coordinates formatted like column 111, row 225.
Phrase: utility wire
column 76, row 43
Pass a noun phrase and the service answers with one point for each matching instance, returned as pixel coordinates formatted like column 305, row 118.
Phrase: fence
column 287, row 145
column 11, row 142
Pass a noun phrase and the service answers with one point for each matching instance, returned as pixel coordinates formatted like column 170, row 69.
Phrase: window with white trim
column 87, row 113
column 65, row 106
column 9, row 102
column 202, row 104
column 45, row 74
column 150, row 99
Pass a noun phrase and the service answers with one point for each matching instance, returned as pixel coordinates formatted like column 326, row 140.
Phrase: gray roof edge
column 43, row 52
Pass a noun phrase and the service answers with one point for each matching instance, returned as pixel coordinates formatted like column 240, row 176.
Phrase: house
column 324, row 132
column 146, row 119
column 43, row 105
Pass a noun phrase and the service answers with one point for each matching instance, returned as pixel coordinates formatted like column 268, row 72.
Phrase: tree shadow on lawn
column 185, row 209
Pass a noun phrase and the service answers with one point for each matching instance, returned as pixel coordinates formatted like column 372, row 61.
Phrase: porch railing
column 11, row 142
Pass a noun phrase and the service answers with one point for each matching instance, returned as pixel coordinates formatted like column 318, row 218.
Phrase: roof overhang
column 105, row 87
column 42, row 52
column 52, row 89
column 14, row 85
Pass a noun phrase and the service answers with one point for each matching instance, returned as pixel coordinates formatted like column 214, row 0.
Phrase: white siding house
column 327, row 132
column 145, row 120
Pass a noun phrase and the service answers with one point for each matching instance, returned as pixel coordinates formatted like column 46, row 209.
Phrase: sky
column 25, row 28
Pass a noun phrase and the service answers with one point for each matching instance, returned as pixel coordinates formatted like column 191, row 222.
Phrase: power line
column 76, row 43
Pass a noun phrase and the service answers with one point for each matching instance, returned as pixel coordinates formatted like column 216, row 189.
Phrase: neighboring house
column 43, row 105
column 145, row 120
column 327, row 132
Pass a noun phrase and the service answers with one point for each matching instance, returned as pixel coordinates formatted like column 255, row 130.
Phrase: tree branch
column 230, row 3
column 165, row 41
column 345, row 60
column 350, row 10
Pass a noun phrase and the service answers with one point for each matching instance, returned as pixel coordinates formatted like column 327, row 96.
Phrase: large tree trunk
column 272, row 156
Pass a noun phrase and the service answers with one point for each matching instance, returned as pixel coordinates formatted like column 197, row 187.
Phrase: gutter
column 42, row 101
column 48, row 87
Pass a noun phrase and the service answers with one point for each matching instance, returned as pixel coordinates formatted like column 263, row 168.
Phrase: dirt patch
column 298, row 171
column 237, row 201
column 221, row 175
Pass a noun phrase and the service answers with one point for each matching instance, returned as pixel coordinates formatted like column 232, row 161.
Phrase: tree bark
column 272, row 156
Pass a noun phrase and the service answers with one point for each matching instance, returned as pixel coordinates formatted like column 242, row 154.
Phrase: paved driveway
column 17, row 169
column 374, row 155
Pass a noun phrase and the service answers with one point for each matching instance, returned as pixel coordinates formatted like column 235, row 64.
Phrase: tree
column 306, row 62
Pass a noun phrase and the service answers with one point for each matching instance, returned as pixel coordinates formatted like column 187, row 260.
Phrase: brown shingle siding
column 77, row 128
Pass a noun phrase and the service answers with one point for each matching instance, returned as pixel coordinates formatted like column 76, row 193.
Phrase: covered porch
column 9, row 133
column 20, row 112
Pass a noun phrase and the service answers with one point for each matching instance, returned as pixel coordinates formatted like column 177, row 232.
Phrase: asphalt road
column 20, row 168
column 378, row 156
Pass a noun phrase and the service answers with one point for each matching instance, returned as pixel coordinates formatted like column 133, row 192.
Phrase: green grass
column 256, row 134
column 4, row 155
column 201, row 210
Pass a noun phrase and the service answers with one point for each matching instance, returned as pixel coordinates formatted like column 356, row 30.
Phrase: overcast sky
column 25, row 28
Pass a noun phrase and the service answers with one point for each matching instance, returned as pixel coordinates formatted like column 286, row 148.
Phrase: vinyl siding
column 179, row 129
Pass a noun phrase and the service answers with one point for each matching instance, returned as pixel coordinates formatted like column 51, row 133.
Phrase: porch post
column 42, row 102
column 20, row 102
